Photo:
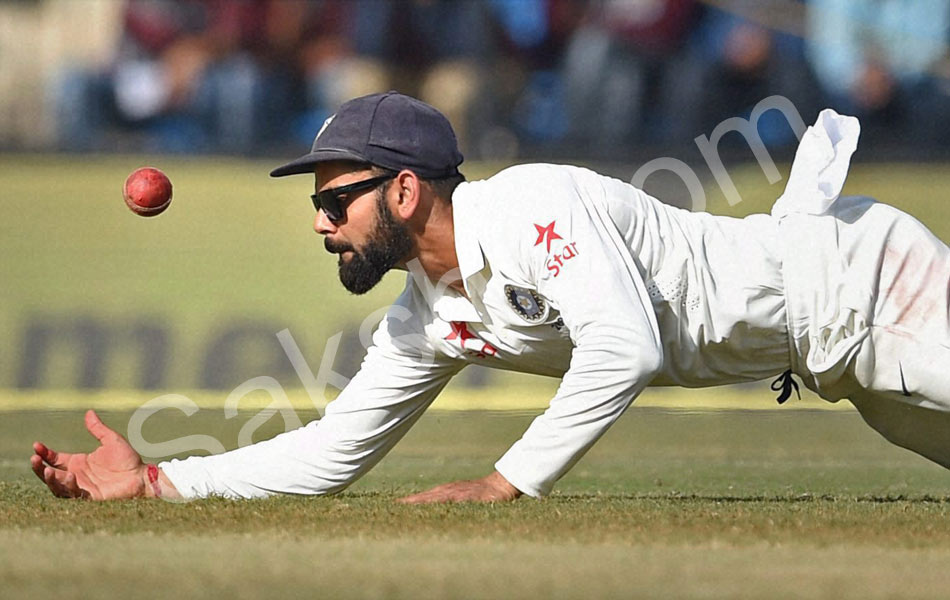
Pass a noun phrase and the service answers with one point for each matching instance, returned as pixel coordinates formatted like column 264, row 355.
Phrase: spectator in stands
column 187, row 75
column 436, row 50
column 528, row 82
column 615, row 64
column 328, row 66
column 740, row 53
column 881, row 60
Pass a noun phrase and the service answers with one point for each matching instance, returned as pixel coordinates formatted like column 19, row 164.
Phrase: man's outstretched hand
column 113, row 471
column 493, row 488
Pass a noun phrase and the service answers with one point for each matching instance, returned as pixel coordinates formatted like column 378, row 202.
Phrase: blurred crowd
column 595, row 76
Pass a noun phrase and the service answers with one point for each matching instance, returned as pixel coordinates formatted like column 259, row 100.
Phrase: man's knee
column 920, row 430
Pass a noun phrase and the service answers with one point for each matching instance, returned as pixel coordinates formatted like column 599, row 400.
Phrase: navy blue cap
column 388, row 130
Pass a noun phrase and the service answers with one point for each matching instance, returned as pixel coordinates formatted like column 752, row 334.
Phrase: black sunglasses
column 329, row 200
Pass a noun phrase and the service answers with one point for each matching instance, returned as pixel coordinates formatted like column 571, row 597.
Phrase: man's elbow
column 643, row 362
column 634, row 369
column 652, row 364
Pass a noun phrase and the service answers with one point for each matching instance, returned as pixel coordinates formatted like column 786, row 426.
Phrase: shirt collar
column 465, row 221
column 452, row 306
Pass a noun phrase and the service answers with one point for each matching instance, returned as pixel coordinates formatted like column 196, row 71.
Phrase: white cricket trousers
column 868, row 290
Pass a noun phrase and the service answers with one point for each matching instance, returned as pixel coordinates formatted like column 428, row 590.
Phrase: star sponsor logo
column 468, row 341
column 546, row 234
column 555, row 261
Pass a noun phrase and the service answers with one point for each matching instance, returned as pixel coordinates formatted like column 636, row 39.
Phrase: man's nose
column 322, row 224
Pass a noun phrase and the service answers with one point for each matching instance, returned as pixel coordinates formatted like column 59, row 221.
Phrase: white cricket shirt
column 568, row 274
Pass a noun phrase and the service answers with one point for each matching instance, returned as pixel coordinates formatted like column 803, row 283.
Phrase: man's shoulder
column 512, row 214
column 523, row 189
column 545, row 173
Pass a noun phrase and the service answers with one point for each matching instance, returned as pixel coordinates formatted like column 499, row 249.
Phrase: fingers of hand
column 413, row 499
column 442, row 493
column 434, row 495
column 97, row 428
column 67, row 484
column 57, row 482
column 479, row 490
column 56, row 459
column 37, row 464
column 61, row 483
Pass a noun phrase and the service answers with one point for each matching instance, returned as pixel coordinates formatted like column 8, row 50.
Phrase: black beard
column 388, row 243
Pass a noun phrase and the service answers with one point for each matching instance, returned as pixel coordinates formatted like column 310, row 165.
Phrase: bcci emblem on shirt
column 529, row 306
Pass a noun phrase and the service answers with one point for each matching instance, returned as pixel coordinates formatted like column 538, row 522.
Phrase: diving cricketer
column 559, row 271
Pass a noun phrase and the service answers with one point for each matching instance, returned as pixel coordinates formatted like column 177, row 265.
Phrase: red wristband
column 152, row 471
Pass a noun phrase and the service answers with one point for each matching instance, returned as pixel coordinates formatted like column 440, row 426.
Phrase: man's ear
column 409, row 188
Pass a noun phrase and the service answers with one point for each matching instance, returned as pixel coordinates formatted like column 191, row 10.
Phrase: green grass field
column 672, row 503
column 681, row 499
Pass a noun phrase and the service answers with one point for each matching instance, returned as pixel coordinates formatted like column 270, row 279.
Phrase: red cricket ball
column 147, row 191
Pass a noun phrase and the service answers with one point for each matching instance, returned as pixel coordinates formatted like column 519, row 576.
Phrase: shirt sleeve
column 603, row 301
column 399, row 378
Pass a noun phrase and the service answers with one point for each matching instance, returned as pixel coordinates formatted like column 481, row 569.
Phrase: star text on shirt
column 555, row 262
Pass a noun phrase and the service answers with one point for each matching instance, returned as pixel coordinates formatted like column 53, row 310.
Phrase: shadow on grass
column 758, row 499
column 21, row 490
